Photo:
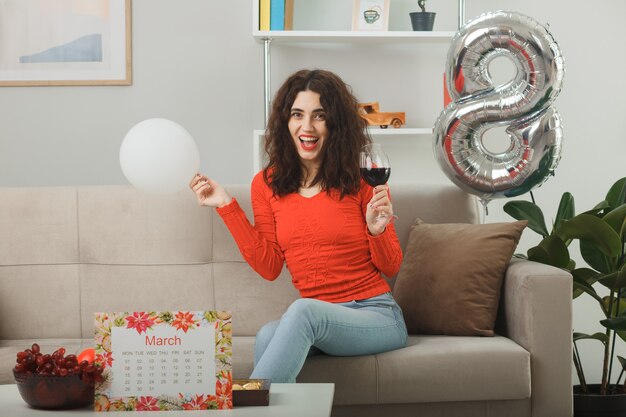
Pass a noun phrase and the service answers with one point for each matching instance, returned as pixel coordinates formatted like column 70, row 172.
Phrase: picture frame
column 65, row 42
column 370, row 15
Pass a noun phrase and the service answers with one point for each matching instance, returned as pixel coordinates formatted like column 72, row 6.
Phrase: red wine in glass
column 374, row 164
column 375, row 176
column 375, row 167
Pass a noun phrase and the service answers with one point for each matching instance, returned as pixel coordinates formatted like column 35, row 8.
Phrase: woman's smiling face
column 307, row 126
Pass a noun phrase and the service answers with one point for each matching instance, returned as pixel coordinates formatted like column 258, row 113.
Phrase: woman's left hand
column 379, row 210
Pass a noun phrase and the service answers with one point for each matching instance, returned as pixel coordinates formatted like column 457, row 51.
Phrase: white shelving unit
column 267, row 38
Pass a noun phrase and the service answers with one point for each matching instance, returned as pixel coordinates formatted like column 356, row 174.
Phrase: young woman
column 313, row 212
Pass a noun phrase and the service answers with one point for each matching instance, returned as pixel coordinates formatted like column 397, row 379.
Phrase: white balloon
column 159, row 156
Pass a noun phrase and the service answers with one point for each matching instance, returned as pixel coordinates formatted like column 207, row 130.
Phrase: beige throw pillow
column 450, row 280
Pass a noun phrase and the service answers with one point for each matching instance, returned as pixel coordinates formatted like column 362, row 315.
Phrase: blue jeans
column 310, row 327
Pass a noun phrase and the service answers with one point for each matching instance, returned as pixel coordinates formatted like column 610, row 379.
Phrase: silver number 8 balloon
column 523, row 104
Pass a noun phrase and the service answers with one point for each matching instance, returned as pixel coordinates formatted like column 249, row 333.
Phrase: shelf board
column 351, row 36
column 402, row 131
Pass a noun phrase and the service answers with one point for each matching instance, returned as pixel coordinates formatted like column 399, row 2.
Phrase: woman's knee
column 305, row 316
column 303, row 308
column 266, row 332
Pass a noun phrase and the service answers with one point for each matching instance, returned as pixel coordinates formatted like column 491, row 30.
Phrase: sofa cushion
column 38, row 226
column 450, row 279
column 40, row 301
column 133, row 227
column 111, row 288
column 243, row 356
column 454, row 368
column 252, row 300
column 355, row 377
column 224, row 247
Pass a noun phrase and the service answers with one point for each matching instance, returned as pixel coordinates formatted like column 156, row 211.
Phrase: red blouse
column 323, row 239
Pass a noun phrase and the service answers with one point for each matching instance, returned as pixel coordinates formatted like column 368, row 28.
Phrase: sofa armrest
column 536, row 312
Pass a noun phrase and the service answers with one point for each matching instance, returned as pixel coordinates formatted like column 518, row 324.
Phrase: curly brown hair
column 339, row 168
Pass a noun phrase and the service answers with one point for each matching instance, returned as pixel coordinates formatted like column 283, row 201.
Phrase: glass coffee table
column 286, row 400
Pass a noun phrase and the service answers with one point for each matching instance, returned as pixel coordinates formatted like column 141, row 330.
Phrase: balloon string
column 485, row 212
column 532, row 197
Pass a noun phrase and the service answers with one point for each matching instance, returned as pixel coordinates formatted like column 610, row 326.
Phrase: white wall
column 195, row 62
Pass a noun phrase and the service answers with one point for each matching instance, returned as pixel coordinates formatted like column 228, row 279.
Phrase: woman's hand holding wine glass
column 375, row 171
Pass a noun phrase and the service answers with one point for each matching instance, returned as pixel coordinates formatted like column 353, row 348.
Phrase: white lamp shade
column 159, row 156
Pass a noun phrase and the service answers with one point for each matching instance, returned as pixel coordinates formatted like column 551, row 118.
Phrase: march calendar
column 167, row 360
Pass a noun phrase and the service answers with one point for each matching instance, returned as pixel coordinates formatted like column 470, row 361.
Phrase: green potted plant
column 422, row 20
column 601, row 233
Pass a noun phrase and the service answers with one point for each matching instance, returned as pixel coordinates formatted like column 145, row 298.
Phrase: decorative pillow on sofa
column 450, row 280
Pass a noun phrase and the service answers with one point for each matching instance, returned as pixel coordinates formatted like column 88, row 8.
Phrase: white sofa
column 66, row 252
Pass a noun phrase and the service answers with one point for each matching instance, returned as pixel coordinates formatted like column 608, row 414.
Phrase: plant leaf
column 571, row 265
column 608, row 280
column 525, row 210
column 602, row 205
column 615, row 280
column 565, row 210
column 614, row 323
column 594, row 230
column 586, row 289
column 585, row 277
column 616, row 218
column 551, row 251
column 618, row 310
column 602, row 337
column 617, row 193
column 594, row 257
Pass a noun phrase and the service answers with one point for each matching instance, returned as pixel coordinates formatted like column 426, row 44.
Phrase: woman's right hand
column 209, row 192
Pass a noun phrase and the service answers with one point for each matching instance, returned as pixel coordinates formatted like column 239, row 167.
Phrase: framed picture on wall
column 370, row 14
column 65, row 42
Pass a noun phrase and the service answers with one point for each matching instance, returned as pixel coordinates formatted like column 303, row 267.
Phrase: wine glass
column 375, row 167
